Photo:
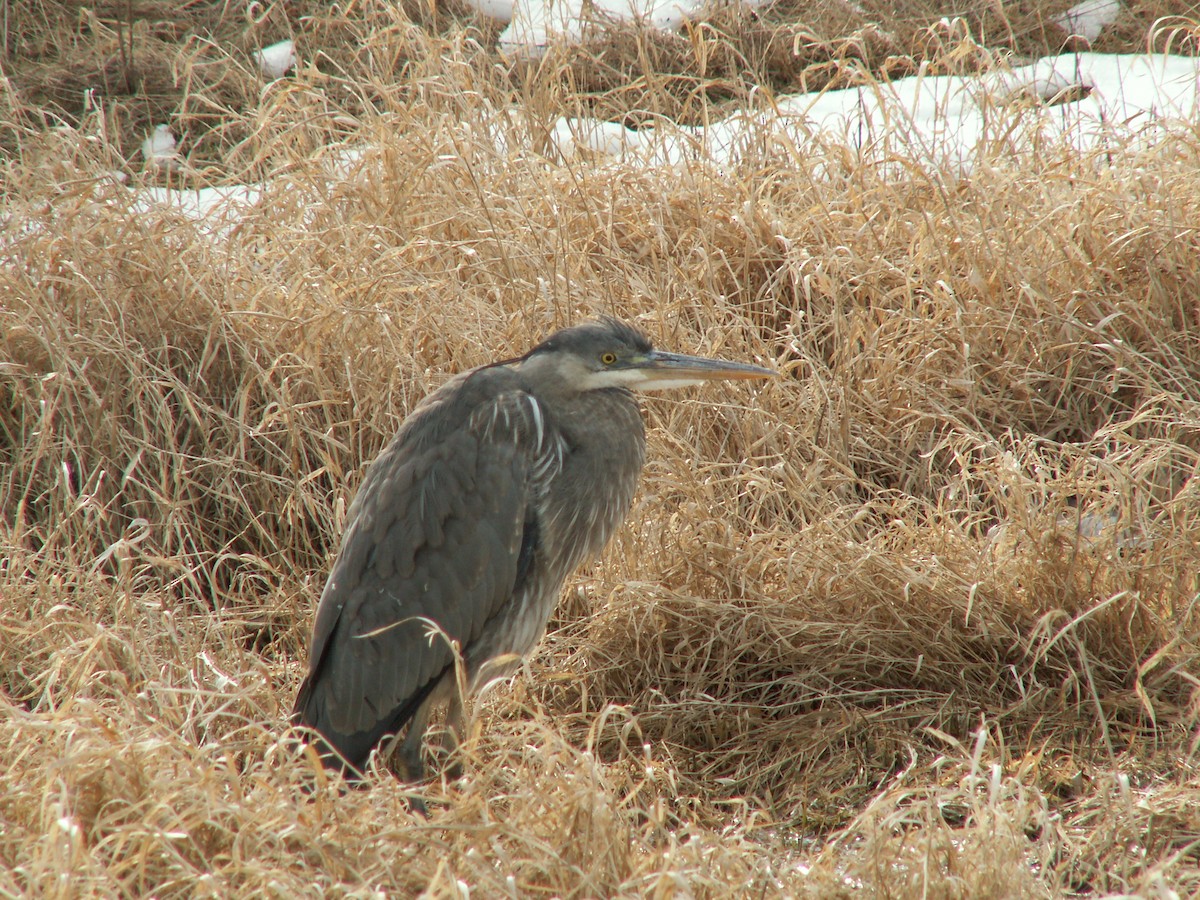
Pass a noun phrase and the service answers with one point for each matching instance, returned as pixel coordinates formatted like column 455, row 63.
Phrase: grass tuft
column 919, row 618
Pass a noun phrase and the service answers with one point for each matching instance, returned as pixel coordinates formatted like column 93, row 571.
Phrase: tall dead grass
column 918, row 619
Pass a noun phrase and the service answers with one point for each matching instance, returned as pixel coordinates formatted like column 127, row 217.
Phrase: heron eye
column 608, row 358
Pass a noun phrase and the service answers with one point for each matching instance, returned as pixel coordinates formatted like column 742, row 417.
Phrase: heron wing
column 439, row 537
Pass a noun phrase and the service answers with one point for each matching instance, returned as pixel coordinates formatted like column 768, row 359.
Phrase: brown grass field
column 918, row 619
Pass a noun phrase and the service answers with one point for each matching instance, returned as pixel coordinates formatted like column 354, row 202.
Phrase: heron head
column 608, row 353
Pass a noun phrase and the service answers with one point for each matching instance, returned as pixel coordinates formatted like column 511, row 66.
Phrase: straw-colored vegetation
column 918, row 619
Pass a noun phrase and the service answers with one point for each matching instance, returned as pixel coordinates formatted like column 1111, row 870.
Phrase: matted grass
column 917, row 619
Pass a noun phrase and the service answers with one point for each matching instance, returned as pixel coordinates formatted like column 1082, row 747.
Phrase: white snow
column 159, row 149
column 1077, row 100
column 276, row 60
column 500, row 10
column 218, row 207
column 534, row 24
column 944, row 124
column 1089, row 18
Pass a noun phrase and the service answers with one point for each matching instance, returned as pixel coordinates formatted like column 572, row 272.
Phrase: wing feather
column 440, row 532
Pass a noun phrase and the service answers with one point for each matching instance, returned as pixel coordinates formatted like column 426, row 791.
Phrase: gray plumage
column 496, row 487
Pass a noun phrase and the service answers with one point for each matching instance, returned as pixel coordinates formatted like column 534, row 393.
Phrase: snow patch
column 159, row 149
column 276, row 60
column 1089, row 18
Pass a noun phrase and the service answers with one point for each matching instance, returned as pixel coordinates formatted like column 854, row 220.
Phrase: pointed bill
column 660, row 370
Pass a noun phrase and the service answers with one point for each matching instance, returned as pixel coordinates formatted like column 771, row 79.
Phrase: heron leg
column 455, row 725
column 409, row 751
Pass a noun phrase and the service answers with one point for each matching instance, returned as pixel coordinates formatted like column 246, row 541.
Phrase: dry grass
column 864, row 631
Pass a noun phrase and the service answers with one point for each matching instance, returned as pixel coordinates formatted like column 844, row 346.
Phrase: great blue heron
column 494, row 490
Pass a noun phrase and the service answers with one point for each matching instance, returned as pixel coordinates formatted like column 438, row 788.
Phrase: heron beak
column 660, row 371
